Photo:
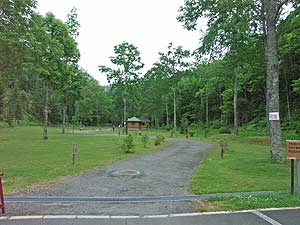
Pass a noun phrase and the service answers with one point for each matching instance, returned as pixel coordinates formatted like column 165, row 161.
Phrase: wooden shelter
column 136, row 123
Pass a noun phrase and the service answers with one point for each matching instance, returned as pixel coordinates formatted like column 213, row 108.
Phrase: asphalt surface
column 161, row 173
column 261, row 217
column 164, row 172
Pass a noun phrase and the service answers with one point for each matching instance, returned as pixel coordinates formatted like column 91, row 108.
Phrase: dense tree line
column 204, row 89
column 246, row 66
column 40, row 80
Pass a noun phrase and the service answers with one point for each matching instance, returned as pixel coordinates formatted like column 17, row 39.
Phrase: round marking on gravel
column 130, row 173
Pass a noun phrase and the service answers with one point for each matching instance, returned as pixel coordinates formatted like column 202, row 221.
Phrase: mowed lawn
column 26, row 158
column 246, row 167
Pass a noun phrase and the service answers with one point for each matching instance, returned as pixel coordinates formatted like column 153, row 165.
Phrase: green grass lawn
column 27, row 159
column 245, row 167
column 275, row 200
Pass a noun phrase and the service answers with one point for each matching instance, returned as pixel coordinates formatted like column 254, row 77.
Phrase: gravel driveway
column 165, row 172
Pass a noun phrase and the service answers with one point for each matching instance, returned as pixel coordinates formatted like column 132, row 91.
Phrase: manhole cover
column 129, row 173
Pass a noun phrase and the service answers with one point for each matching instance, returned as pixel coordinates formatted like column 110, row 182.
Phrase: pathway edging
column 46, row 199
column 255, row 211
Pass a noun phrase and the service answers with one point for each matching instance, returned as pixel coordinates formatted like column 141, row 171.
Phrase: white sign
column 274, row 116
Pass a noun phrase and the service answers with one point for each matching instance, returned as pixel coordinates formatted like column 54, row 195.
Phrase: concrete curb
column 53, row 199
column 139, row 217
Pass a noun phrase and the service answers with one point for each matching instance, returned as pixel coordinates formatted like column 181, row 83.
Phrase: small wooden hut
column 136, row 123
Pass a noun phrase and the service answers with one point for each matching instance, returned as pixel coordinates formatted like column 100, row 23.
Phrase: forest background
column 221, row 85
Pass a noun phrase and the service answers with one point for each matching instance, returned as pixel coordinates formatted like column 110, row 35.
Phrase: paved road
column 262, row 217
column 165, row 172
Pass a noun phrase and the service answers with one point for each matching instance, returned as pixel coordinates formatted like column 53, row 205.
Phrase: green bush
column 172, row 132
column 128, row 145
column 145, row 139
column 225, row 130
column 168, row 128
column 192, row 133
column 215, row 124
column 157, row 140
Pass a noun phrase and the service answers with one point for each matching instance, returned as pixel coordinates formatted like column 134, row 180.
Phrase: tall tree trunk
column 125, row 116
column 267, row 90
column 156, row 122
column 11, row 106
column 220, row 105
column 1, row 100
column 235, row 99
column 64, row 117
column 167, row 112
column 270, row 7
column 45, row 134
column 174, row 110
column 288, row 99
column 206, row 109
column 206, row 100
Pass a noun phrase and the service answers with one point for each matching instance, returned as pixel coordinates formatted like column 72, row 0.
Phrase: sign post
column 292, row 176
column 1, row 195
column 74, row 152
column 222, row 145
column 293, row 153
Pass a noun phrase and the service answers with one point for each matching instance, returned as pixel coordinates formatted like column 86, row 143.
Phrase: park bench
column 1, row 194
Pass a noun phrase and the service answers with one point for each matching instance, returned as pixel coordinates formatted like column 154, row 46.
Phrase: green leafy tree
column 127, row 61
column 171, row 64
column 71, row 57
column 14, row 51
column 49, row 52
column 229, row 25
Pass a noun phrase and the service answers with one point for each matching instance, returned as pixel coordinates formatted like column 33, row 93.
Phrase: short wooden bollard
column 2, row 207
column 74, row 152
column 222, row 146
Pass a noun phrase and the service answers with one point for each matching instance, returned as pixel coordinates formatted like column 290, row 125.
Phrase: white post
column 174, row 109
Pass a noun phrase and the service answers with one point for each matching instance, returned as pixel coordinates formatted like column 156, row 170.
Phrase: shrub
column 172, row 132
column 162, row 138
column 145, row 139
column 157, row 140
column 192, row 133
column 225, row 130
column 168, row 128
column 128, row 145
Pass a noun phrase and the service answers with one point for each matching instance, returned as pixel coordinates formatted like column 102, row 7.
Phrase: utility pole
column 174, row 109
column 125, row 118
column 167, row 112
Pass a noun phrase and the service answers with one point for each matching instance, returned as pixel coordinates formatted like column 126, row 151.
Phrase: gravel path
column 164, row 172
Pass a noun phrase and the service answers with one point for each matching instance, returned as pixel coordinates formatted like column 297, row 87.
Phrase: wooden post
column 298, row 175
column 292, row 175
column 293, row 153
column 74, row 152
column 1, row 195
column 222, row 145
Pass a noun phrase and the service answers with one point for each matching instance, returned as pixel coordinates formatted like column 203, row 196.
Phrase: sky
column 148, row 24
